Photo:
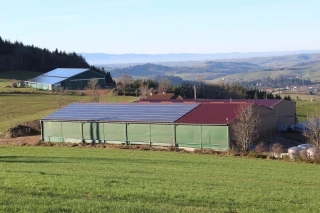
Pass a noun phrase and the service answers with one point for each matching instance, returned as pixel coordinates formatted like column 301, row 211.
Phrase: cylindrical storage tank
column 312, row 153
column 306, row 146
column 293, row 152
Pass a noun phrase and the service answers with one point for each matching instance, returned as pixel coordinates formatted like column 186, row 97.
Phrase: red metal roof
column 212, row 113
column 264, row 102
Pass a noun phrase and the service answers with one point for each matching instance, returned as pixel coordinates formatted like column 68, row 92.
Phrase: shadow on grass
column 21, row 159
column 96, row 160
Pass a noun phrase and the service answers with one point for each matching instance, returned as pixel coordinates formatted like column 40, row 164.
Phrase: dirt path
column 21, row 140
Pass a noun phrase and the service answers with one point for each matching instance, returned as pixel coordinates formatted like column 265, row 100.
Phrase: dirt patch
column 27, row 140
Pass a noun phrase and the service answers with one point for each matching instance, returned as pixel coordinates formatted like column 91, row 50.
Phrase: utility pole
column 195, row 92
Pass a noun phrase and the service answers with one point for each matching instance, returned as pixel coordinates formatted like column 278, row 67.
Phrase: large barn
column 193, row 125
column 66, row 78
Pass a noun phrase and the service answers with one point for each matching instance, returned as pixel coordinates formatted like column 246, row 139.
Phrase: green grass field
column 28, row 107
column 20, row 105
column 304, row 108
column 249, row 76
column 61, row 179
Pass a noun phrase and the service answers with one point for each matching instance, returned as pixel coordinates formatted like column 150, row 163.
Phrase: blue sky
column 163, row 26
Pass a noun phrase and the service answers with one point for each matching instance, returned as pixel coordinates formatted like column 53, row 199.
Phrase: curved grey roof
column 57, row 75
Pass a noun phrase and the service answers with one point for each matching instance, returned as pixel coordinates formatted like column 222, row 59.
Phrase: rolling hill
column 306, row 70
column 306, row 66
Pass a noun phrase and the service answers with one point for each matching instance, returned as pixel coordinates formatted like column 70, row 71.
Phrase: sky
column 163, row 26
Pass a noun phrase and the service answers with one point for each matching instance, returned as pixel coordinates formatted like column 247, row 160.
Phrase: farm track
column 30, row 140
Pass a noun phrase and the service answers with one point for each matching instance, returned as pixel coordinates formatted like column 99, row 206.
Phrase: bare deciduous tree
column 245, row 129
column 124, row 82
column 94, row 89
column 312, row 132
column 145, row 91
column 60, row 97
column 163, row 85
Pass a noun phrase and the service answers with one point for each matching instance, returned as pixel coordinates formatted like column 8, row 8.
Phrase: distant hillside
column 106, row 59
column 17, row 56
column 306, row 70
column 205, row 71
column 280, row 61
column 142, row 70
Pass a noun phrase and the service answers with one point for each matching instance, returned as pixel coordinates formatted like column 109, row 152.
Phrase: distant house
column 66, row 78
column 162, row 97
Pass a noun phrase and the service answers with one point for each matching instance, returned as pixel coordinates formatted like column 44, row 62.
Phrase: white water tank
column 306, row 146
column 293, row 152
column 312, row 152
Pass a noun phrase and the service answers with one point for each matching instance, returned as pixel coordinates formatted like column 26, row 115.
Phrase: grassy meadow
column 64, row 179
column 26, row 104
column 304, row 108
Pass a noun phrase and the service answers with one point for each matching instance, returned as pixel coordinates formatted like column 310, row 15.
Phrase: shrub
column 276, row 149
column 253, row 154
column 260, row 148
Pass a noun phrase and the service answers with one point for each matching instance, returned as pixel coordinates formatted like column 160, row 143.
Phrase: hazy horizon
column 163, row 26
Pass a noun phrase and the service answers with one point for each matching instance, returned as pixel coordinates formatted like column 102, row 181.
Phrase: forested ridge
column 17, row 56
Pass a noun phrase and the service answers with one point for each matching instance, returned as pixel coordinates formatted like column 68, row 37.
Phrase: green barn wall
column 79, row 82
column 193, row 136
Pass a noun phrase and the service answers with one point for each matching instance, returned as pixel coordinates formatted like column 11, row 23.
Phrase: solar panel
column 57, row 75
column 134, row 112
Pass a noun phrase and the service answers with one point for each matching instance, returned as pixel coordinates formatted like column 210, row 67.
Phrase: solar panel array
column 57, row 75
column 134, row 112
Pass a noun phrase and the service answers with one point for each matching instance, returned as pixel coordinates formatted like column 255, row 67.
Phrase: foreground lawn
column 61, row 179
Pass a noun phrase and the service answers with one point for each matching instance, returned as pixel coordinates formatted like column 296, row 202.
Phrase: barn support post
column 150, row 143
column 174, row 135
column 81, row 130
column 42, row 129
column 126, row 134
column 201, row 136
column 228, row 136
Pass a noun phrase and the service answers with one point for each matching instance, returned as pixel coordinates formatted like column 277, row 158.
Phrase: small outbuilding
column 66, row 78
column 196, row 125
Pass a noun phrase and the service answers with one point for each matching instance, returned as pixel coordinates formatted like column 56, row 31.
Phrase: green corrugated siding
column 93, row 131
column 71, row 130
column 115, row 132
column 215, row 137
column 162, row 134
column 52, row 129
column 194, row 136
column 138, row 133
column 188, row 136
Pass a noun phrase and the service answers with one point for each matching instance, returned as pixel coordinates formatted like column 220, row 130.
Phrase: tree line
column 17, row 56
column 126, row 85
